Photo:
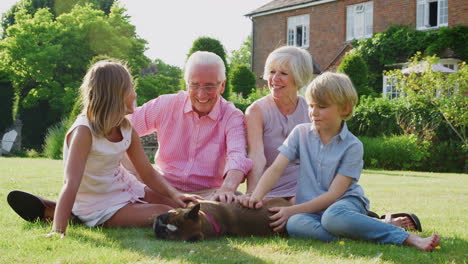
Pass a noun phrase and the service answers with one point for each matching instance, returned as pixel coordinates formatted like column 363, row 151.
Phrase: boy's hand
column 280, row 218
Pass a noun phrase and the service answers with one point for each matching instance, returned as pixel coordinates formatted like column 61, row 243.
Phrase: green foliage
column 46, row 58
column 6, row 106
column 53, row 143
column 242, row 80
column 375, row 117
column 56, row 7
column 164, row 79
column 446, row 93
column 354, row 66
column 447, row 156
column 404, row 152
column 243, row 55
column 398, row 43
column 242, row 103
column 215, row 46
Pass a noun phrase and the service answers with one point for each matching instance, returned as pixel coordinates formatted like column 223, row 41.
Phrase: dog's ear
column 193, row 213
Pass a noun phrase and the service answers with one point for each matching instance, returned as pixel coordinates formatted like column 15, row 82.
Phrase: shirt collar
column 213, row 114
column 342, row 135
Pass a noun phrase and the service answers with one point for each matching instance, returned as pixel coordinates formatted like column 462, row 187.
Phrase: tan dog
column 209, row 219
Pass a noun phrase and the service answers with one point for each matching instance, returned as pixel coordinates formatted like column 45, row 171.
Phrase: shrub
column 447, row 156
column 403, row 152
column 242, row 80
column 242, row 103
column 354, row 66
column 375, row 117
column 53, row 143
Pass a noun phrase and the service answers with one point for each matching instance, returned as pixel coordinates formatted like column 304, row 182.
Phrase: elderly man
column 201, row 139
column 201, row 136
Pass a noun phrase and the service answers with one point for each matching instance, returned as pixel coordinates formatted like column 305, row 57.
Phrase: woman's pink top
column 276, row 128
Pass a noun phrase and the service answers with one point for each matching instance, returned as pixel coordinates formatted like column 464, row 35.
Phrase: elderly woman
column 270, row 119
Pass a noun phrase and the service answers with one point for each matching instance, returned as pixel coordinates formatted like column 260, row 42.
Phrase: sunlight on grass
column 438, row 199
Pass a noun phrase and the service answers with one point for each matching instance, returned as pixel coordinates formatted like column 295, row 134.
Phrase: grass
column 439, row 199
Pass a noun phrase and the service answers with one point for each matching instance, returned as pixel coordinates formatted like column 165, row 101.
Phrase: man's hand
column 224, row 196
column 280, row 218
column 250, row 202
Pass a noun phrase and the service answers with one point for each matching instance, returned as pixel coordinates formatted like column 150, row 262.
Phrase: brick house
column 326, row 27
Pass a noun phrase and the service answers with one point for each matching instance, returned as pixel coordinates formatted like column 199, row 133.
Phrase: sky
column 171, row 26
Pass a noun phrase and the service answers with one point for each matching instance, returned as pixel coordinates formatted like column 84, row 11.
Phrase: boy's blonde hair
column 333, row 88
column 103, row 93
column 295, row 60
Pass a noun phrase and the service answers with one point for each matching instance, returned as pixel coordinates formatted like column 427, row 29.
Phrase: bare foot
column 425, row 244
column 403, row 222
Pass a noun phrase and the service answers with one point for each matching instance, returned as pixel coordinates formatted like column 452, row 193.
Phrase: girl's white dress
column 106, row 186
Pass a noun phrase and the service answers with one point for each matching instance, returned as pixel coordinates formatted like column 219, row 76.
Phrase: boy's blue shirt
column 320, row 163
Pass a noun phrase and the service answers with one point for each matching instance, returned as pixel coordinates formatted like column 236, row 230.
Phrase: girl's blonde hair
column 295, row 60
column 333, row 88
column 103, row 93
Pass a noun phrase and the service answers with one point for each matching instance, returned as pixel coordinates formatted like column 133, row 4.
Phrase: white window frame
column 389, row 89
column 296, row 23
column 359, row 21
column 423, row 14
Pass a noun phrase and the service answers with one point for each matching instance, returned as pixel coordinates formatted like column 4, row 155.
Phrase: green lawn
column 440, row 200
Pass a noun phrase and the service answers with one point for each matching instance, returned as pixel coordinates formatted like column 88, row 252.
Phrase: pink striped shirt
column 194, row 153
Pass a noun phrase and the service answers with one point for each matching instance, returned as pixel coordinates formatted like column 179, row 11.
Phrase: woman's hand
column 280, row 218
column 183, row 198
column 250, row 201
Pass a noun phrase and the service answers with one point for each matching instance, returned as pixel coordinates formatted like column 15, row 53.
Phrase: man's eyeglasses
column 209, row 89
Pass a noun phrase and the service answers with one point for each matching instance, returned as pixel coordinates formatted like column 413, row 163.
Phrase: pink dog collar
column 213, row 222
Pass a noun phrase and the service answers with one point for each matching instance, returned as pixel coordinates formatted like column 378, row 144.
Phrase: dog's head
column 180, row 224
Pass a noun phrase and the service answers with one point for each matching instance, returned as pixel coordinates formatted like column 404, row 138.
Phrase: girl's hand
column 55, row 234
column 280, row 218
column 251, row 202
column 182, row 198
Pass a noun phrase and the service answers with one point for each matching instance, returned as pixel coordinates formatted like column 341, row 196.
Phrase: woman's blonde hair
column 296, row 60
column 333, row 88
column 103, row 93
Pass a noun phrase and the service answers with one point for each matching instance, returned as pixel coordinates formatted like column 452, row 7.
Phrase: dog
column 208, row 219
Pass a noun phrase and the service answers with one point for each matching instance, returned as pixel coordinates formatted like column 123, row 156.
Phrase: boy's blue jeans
column 348, row 218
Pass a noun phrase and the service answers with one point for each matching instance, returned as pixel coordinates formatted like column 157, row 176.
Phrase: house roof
column 278, row 6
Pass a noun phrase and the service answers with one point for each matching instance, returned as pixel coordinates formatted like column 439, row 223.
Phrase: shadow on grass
column 256, row 249
column 399, row 174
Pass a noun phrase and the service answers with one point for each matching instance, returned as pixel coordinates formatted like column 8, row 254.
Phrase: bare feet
column 425, row 244
column 403, row 222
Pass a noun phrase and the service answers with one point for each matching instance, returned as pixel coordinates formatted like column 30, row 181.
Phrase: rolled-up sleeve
column 352, row 162
column 236, row 154
column 145, row 118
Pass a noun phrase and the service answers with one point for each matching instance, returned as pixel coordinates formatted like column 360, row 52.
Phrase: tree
column 215, row 46
column 163, row 79
column 46, row 59
column 445, row 92
column 243, row 55
column 354, row 66
column 242, row 80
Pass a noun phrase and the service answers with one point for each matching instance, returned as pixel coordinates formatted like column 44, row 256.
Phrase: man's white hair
column 204, row 58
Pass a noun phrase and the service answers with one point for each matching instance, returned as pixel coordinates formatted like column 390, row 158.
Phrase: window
column 359, row 20
column 389, row 88
column 298, row 31
column 431, row 14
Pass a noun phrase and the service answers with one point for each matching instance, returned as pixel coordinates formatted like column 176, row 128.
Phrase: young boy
column 329, row 201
